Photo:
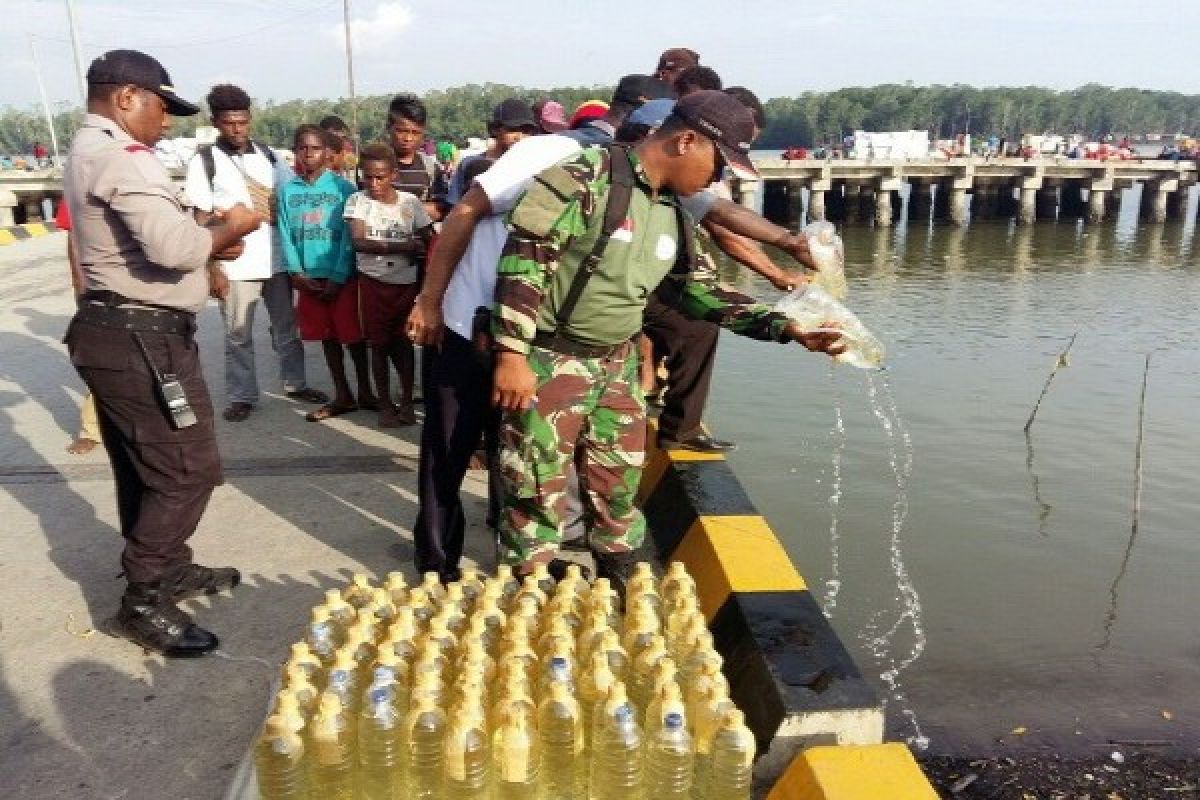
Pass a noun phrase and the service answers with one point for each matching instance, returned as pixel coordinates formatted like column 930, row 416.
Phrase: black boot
column 148, row 618
column 192, row 580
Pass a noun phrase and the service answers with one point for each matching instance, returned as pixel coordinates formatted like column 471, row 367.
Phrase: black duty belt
column 110, row 310
column 570, row 347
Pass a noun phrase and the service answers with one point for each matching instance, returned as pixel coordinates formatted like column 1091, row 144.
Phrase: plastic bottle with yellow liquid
column 304, row 659
column 731, row 773
column 401, row 635
column 615, row 771
column 299, row 684
column 472, row 585
column 467, row 753
column 705, row 718
column 541, row 575
column 670, row 757
column 614, row 653
column 381, row 744
column 358, row 592
column 381, row 606
column 555, row 632
column 341, row 612
column 287, row 707
column 331, row 774
column 431, row 584
column 641, row 678
column 424, row 734
column 422, row 607
column 344, row 681
column 514, row 697
column 709, row 676
column 397, row 587
column 322, row 637
column 563, row 744
column 640, row 631
column 279, row 761
column 515, row 757
column 530, row 587
column 594, row 684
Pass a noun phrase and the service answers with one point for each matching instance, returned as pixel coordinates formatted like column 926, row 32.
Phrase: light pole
column 37, row 69
column 350, row 73
column 74, row 25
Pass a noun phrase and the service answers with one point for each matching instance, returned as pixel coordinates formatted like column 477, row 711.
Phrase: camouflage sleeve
column 542, row 225
column 738, row 312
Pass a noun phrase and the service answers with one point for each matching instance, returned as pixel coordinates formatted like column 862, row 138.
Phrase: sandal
column 308, row 395
column 82, row 446
column 329, row 411
column 237, row 412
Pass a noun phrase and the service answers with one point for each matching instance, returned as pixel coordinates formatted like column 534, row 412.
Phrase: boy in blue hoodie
column 319, row 257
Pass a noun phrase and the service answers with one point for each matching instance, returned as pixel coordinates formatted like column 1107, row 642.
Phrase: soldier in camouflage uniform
column 567, row 368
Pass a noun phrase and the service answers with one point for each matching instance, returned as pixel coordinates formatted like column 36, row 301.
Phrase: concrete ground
column 84, row 715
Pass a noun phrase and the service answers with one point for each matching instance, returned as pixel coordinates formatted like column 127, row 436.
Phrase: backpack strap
column 620, row 193
column 205, row 151
column 267, row 152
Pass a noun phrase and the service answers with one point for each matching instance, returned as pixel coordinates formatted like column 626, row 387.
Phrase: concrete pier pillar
column 816, row 205
column 8, row 202
column 958, row 206
column 1027, row 206
column 920, row 202
column 883, row 207
column 1154, row 201
column 1046, row 203
column 1097, row 206
column 1072, row 205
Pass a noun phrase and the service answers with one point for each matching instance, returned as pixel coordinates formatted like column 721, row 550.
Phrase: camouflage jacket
column 553, row 228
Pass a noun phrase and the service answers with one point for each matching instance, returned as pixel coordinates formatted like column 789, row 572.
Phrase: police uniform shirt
column 132, row 234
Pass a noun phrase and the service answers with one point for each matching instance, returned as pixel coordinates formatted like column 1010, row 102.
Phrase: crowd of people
column 547, row 280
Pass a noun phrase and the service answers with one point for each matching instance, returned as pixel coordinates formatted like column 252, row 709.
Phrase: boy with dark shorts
column 388, row 229
column 317, row 252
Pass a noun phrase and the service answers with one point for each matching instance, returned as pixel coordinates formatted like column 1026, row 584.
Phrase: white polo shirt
column 260, row 259
column 473, row 284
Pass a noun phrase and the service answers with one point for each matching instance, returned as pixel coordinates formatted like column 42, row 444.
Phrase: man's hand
column 242, row 219
column 785, row 281
column 425, row 324
column 796, row 246
column 514, row 383
column 302, row 283
column 231, row 253
column 828, row 342
column 218, row 281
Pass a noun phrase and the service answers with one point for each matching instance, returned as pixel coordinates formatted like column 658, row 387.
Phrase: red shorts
column 318, row 320
column 384, row 308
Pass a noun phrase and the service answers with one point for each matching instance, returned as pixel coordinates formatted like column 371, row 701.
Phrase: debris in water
column 1063, row 360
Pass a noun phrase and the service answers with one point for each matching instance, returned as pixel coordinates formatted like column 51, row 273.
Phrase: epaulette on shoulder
column 138, row 148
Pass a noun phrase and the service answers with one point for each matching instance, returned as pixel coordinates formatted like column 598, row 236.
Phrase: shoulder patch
column 137, row 147
column 544, row 204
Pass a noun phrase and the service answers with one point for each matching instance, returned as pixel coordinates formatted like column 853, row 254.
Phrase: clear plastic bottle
column 545, row 581
column 684, row 628
column 494, row 619
column 397, row 586
column 467, row 753
column 287, row 707
column 344, row 682
column 381, row 746
column 530, row 587
column 422, row 607
column 306, row 693
column 360, row 645
column 507, row 584
column 813, row 309
column 666, row 678
column 731, row 774
column 695, row 688
column 593, row 628
column 304, row 659
column 675, row 580
column 560, row 731
column 322, row 637
column 279, row 759
column 359, row 591
column 515, row 757
column 513, row 697
column 593, row 689
column 616, row 754
column 666, row 698
column 381, row 606
column 393, row 666
column 424, row 733
column 828, row 254
column 705, row 719
column 565, row 607
column 429, row 674
column 618, row 659
column 557, row 668
column 670, row 759
column 341, row 612
column 472, row 586
column 431, row 583
column 556, row 632
column 454, row 596
column 401, row 635
column 640, row 630
column 641, row 680
column 331, row 773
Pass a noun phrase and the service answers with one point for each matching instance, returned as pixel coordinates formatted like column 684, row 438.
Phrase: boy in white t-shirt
column 389, row 230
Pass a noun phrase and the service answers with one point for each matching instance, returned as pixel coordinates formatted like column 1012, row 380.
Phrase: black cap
column 724, row 120
column 131, row 67
column 513, row 114
column 633, row 90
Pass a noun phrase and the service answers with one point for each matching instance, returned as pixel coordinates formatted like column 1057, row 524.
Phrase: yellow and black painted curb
column 19, row 233
column 786, row 667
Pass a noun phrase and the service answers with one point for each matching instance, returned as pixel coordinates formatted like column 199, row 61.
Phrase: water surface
column 1033, row 608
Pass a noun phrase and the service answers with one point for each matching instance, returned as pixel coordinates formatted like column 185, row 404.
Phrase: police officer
column 143, row 261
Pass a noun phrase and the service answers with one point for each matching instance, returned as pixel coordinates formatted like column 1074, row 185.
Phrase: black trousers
column 457, row 381
column 164, row 477
column 690, row 348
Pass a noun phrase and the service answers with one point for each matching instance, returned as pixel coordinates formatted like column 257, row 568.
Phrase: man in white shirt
column 238, row 170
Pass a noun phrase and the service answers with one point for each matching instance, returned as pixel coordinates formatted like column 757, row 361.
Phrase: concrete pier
column 1001, row 187
column 816, row 205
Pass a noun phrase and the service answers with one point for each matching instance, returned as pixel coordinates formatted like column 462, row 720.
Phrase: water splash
column 881, row 642
column 837, row 434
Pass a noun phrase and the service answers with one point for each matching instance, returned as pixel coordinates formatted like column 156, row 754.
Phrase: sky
column 284, row 49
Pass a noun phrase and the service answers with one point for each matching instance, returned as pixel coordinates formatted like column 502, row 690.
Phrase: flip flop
column 308, row 395
column 329, row 411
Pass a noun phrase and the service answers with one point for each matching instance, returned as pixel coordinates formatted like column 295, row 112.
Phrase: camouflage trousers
column 591, row 411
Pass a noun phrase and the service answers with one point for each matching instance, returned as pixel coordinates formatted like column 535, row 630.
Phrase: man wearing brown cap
column 588, row 242
column 143, row 260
